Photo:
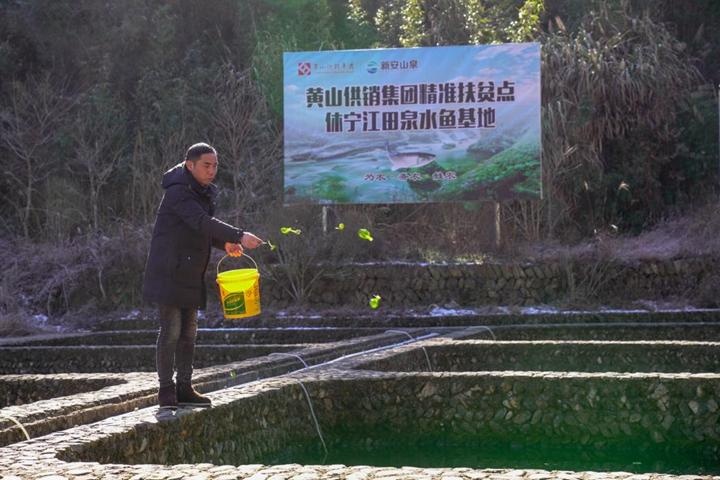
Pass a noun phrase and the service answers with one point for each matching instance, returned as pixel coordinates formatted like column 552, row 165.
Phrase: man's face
column 204, row 169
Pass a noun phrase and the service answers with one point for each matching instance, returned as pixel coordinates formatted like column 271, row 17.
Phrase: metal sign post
column 324, row 218
column 498, row 223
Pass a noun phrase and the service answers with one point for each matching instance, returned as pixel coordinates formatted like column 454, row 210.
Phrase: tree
column 620, row 80
column 98, row 134
column 29, row 126
column 527, row 26
column 246, row 137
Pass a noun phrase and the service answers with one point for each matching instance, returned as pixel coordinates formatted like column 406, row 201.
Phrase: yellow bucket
column 239, row 290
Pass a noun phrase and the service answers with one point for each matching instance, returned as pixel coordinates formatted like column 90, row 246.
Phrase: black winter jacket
column 184, row 231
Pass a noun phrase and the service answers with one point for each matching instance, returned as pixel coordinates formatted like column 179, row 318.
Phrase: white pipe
column 5, row 415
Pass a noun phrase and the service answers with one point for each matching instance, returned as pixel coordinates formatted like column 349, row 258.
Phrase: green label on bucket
column 234, row 304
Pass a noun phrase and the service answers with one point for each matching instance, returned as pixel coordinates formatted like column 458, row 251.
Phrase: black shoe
column 167, row 398
column 187, row 396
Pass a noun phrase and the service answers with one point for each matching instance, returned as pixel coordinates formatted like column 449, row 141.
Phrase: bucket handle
column 242, row 256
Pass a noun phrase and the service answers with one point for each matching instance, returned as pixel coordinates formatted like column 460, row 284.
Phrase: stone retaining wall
column 231, row 433
column 138, row 390
column 590, row 409
column 535, row 407
column 405, row 284
column 250, row 422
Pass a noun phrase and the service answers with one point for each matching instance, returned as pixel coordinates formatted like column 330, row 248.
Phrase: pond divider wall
column 123, row 358
column 254, row 416
column 138, row 389
column 205, row 336
column 22, row 389
column 568, row 356
column 669, row 331
column 675, row 411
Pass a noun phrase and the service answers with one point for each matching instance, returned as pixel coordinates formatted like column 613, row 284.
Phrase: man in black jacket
column 184, row 231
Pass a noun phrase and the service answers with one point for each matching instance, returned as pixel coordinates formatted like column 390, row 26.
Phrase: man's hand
column 249, row 240
column 233, row 249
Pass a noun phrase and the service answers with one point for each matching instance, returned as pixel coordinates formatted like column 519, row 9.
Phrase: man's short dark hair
column 196, row 151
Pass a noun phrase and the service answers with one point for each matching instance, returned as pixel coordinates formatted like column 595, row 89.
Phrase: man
column 184, row 231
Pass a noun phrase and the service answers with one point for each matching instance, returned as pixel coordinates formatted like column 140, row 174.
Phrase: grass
column 680, row 236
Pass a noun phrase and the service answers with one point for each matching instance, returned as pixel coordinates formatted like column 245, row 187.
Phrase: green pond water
column 436, row 453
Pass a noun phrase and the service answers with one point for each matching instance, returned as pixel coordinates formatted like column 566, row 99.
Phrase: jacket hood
column 176, row 175
column 179, row 175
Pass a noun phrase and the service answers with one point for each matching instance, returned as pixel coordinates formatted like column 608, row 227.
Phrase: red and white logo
column 304, row 69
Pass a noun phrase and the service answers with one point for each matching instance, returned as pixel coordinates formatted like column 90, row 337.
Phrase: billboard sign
column 412, row 125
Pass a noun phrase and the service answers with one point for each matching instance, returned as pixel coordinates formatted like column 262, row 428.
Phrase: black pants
column 176, row 344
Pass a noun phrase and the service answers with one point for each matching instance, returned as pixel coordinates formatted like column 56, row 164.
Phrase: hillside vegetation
column 98, row 99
